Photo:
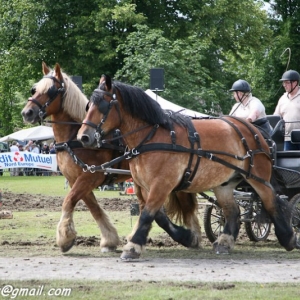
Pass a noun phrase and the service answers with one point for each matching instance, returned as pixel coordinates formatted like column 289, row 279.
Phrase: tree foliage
column 203, row 46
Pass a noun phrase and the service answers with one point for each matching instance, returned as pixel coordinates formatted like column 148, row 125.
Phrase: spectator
column 45, row 149
column 288, row 106
column 52, row 149
column 14, row 148
column 21, row 149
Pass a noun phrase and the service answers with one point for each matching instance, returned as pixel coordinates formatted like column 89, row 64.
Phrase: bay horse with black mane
column 56, row 95
column 170, row 152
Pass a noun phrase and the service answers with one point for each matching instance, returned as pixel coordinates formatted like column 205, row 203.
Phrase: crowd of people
column 253, row 110
column 33, row 147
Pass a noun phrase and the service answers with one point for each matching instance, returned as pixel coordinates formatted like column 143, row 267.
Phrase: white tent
column 34, row 133
column 165, row 104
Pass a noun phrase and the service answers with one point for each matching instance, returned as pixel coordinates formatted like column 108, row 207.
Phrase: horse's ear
column 102, row 79
column 57, row 70
column 45, row 68
column 108, row 82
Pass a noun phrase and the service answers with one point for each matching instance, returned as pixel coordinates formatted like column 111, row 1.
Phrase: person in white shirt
column 288, row 106
column 249, row 107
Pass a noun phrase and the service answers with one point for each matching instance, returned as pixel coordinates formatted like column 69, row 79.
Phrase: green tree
column 80, row 35
column 203, row 64
column 283, row 52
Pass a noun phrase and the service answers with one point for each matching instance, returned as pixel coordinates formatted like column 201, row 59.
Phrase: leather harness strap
column 211, row 155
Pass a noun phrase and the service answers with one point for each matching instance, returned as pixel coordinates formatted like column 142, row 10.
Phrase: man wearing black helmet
column 288, row 106
column 249, row 107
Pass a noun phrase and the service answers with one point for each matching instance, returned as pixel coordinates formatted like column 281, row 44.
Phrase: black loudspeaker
column 78, row 81
column 157, row 79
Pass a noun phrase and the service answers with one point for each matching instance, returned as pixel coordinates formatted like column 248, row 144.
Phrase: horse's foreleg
column 141, row 198
column 134, row 248
column 225, row 242
column 66, row 234
column 65, row 231
column 109, row 236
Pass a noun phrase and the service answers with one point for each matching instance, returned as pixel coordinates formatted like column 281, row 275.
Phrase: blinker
column 103, row 106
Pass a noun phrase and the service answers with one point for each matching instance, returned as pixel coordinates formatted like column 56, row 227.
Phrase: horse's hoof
column 297, row 241
column 65, row 248
column 129, row 255
column 220, row 249
column 108, row 249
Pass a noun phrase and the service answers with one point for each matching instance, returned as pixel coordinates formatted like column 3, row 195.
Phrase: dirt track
column 73, row 266
column 153, row 269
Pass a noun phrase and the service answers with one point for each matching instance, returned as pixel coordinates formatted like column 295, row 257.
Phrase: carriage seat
column 277, row 134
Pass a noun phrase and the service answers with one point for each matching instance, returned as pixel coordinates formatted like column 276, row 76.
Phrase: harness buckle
column 92, row 168
column 135, row 152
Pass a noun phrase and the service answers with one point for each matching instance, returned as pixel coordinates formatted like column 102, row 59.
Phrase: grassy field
column 28, row 228
column 93, row 290
column 46, row 185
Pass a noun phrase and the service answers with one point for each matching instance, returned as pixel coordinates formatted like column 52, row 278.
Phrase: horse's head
column 47, row 95
column 103, row 114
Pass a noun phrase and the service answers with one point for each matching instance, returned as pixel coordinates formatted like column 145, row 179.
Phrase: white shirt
column 14, row 148
column 251, row 107
column 35, row 150
column 289, row 110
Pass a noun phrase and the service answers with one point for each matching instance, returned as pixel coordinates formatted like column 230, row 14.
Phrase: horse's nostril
column 84, row 138
column 27, row 113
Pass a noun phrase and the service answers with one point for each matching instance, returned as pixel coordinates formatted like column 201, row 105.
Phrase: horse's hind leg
column 225, row 242
column 183, row 209
column 279, row 212
column 137, row 239
column 179, row 234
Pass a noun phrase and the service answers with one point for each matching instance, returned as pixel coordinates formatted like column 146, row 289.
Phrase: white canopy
column 33, row 133
column 165, row 104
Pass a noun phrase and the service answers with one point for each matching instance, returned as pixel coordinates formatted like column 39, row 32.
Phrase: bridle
column 52, row 93
column 105, row 108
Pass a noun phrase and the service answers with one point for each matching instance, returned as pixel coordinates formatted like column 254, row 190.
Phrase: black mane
column 138, row 104
column 142, row 106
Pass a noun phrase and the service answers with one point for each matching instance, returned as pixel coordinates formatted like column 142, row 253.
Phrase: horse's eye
column 33, row 90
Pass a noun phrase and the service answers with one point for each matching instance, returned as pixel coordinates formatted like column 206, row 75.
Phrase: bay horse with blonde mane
column 56, row 95
column 169, row 152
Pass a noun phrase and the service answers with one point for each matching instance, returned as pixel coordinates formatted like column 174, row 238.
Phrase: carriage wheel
column 256, row 231
column 295, row 219
column 213, row 220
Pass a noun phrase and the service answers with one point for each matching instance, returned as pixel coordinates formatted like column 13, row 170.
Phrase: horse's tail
column 182, row 208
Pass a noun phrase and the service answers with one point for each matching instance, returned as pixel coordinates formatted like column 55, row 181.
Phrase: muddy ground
column 94, row 265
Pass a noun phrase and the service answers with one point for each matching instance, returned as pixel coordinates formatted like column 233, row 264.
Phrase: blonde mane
column 74, row 102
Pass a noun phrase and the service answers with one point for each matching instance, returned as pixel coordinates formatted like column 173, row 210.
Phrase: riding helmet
column 241, row 85
column 290, row 75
